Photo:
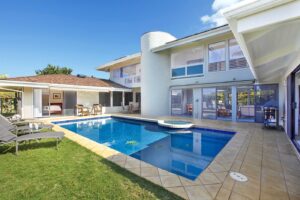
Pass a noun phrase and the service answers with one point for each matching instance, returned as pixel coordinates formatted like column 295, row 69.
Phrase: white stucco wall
column 87, row 98
column 155, row 75
column 27, row 103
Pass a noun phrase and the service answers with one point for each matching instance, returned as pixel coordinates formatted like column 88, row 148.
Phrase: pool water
column 183, row 152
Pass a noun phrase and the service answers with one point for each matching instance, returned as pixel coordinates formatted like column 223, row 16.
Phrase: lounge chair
column 21, row 127
column 7, row 137
column 134, row 107
column 81, row 110
column 97, row 109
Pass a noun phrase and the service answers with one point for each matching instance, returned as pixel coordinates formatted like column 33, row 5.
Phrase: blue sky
column 83, row 34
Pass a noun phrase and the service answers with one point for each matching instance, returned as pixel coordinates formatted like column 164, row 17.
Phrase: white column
column 197, row 109
column 234, row 103
column 111, row 99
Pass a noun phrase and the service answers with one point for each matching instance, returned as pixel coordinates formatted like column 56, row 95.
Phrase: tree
column 52, row 69
column 3, row 76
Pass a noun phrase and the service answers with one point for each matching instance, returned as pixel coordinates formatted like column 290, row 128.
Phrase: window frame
column 225, row 55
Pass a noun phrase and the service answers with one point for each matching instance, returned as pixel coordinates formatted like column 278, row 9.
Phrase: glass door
column 176, row 102
column 245, row 104
column 209, row 103
column 224, row 103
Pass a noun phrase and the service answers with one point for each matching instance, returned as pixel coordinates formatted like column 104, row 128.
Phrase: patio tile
column 170, row 181
column 136, row 171
column 164, row 172
column 223, row 194
column 197, row 193
column 149, row 171
column 154, row 179
column 236, row 196
column 187, row 182
column 132, row 164
column 221, row 175
column 180, row 191
column 213, row 189
column 209, row 178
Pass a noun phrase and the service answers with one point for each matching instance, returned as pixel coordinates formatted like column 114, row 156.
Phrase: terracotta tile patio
column 266, row 157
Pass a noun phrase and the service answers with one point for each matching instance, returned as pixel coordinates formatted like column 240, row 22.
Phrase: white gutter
column 10, row 90
column 60, row 86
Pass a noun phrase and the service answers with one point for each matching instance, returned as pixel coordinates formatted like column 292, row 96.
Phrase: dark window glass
column 104, row 99
column 178, row 72
column 138, row 97
column 117, row 98
column 194, row 70
column 128, row 98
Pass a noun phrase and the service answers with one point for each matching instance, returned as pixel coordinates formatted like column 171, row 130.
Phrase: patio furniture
column 247, row 111
column 97, row 109
column 189, row 108
column 7, row 137
column 133, row 107
column 81, row 110
column 23, row 127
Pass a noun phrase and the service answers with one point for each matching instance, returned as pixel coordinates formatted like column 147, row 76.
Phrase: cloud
column 217, row 19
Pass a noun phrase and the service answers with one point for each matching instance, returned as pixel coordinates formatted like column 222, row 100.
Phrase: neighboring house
column 48, row 95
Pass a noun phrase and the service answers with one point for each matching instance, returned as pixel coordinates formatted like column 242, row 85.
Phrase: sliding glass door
column 245, row 104
column 224, row 103
column 209, row 103
column 182, row 102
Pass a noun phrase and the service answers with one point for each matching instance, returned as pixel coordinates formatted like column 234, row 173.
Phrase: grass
column 72, row 172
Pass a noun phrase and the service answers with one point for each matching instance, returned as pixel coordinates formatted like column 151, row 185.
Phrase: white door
column 37, row 103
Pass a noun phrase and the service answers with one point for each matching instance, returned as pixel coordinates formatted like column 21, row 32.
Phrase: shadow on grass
column 25, row 146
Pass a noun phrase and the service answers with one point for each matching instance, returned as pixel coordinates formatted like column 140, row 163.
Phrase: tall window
column 128, row 98
column 104, row 99
column 188, row 62
column 236, row 56
column 117, row 98
column 216, row 57
column 245, row 103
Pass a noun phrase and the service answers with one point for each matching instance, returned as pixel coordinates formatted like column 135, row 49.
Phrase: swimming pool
column 183, row 152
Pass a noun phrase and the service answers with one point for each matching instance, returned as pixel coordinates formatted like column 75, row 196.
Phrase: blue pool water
column 183, row 152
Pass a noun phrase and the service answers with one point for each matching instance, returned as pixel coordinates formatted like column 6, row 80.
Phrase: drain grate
column 238, row 177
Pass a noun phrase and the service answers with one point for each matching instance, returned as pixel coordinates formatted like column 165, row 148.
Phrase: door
column 37, row 103
column 70, row 101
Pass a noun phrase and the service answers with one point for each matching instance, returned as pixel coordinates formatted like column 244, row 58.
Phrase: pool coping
column 208, row 181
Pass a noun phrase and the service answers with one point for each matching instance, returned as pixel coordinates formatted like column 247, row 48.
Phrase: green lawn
column 72, row 172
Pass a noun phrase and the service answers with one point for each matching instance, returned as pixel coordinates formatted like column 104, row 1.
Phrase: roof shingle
column 68, row 80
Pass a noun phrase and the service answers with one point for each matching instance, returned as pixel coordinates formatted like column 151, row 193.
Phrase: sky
column 84, row 34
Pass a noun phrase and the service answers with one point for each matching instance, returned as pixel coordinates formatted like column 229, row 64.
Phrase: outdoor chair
column 97, row 109
column 7, row 137
column 81, row 110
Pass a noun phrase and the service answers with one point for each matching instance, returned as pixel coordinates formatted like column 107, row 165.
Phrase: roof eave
column 201, row 36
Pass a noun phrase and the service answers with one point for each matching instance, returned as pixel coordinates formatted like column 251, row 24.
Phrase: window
column 117, row 98
column 138, row 97
column 216, row 57
column 194, row 70
column 104, row 99
column 178, row 72
column 188, row 62
column 224, row 103
column 236, row 56
column 245, row 103
column 128, row 98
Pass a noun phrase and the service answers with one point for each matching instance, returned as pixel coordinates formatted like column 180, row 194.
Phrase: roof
column 67, row 80
column 121, row 62
column 193, row 38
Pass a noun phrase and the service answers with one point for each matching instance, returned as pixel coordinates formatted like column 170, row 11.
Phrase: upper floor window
column 216, row 57
column 236, row 56
column 128, row 71
column 188, row 62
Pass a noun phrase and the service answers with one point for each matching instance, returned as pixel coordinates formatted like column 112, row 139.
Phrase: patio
column 266, row 157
